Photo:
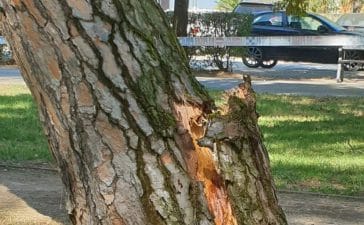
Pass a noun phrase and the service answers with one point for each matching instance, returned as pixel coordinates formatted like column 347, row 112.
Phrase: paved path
column 10, row 75
column 316, row 209
column 286, row 78
column 293, row 78
column 310, row 79
column 297, row 87
column 36, row 195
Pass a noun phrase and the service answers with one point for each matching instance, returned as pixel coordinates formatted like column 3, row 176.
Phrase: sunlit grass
column 21, row 137
column 315, row 144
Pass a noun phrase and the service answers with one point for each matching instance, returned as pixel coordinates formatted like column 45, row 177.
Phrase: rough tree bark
column 132, row 131
column 181, row 17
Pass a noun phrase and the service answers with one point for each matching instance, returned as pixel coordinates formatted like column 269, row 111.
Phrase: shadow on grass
column 319, row 177
column 313, row 124
column 21, row 136
column 328, row 138
column 315, row 143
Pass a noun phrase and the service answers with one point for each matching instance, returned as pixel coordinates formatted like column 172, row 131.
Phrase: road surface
column 286, row 78
column 319, row 88
column 310, row 79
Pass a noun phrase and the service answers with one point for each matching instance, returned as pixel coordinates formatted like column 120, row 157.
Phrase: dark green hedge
column 217, row 24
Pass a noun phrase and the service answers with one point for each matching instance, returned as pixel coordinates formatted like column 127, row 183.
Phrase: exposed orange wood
column 201, row 164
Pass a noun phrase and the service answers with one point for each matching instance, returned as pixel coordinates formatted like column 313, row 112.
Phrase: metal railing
column 349, row 41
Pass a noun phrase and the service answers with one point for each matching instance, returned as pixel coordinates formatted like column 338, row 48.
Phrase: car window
column 304, row 22
column 252, row 8
column 330, row 23
column 269, row 19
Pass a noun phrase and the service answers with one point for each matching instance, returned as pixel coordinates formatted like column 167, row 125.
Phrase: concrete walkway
column 285, row 78
column 318, row 87
column 28, row 196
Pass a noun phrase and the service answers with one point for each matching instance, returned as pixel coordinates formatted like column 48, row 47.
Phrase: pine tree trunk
column 130, row 128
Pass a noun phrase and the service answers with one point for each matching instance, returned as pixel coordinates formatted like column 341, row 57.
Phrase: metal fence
column 344, row 41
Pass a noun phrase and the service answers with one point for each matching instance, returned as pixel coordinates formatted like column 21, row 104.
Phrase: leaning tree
column 137, row 139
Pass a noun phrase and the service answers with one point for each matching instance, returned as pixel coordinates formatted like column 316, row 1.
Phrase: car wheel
column 252, row 57
column 352, row 66
column 267, row 64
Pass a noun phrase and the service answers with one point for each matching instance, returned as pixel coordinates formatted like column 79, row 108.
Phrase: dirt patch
column 33, row 196
column 316, row 209
column 312, row 183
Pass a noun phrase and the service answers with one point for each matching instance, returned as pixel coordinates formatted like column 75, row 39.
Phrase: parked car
column 272, row 23
column 352, row 22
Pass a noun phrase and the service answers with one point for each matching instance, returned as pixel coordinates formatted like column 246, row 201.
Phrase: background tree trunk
column 124, row 117
column 181, row 17
column 357, row 5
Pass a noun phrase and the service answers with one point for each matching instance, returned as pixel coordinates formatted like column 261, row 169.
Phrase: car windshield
column 331, row 23
column 304, row 22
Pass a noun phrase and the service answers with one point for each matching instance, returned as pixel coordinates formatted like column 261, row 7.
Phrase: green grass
column 314, row 144
column 21, row 137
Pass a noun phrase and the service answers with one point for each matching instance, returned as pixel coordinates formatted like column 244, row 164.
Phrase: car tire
column 352, row 66
column 252, row 57
column 268, row 64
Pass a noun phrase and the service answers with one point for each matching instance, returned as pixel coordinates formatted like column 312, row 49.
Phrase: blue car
column 271, row 23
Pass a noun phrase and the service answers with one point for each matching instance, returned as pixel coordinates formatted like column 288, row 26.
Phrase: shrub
column 217, row 24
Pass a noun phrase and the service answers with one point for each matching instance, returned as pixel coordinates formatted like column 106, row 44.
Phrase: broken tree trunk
column 124, row 118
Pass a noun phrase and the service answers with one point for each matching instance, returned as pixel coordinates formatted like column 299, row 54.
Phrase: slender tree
column 181, row 17
column 135, row 136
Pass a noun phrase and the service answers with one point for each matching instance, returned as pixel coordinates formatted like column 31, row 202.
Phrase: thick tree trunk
column 181, row 17
column 130, row 128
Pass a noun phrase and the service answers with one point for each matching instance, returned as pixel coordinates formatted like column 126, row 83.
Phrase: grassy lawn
column 315, row 144
column 21, row 137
